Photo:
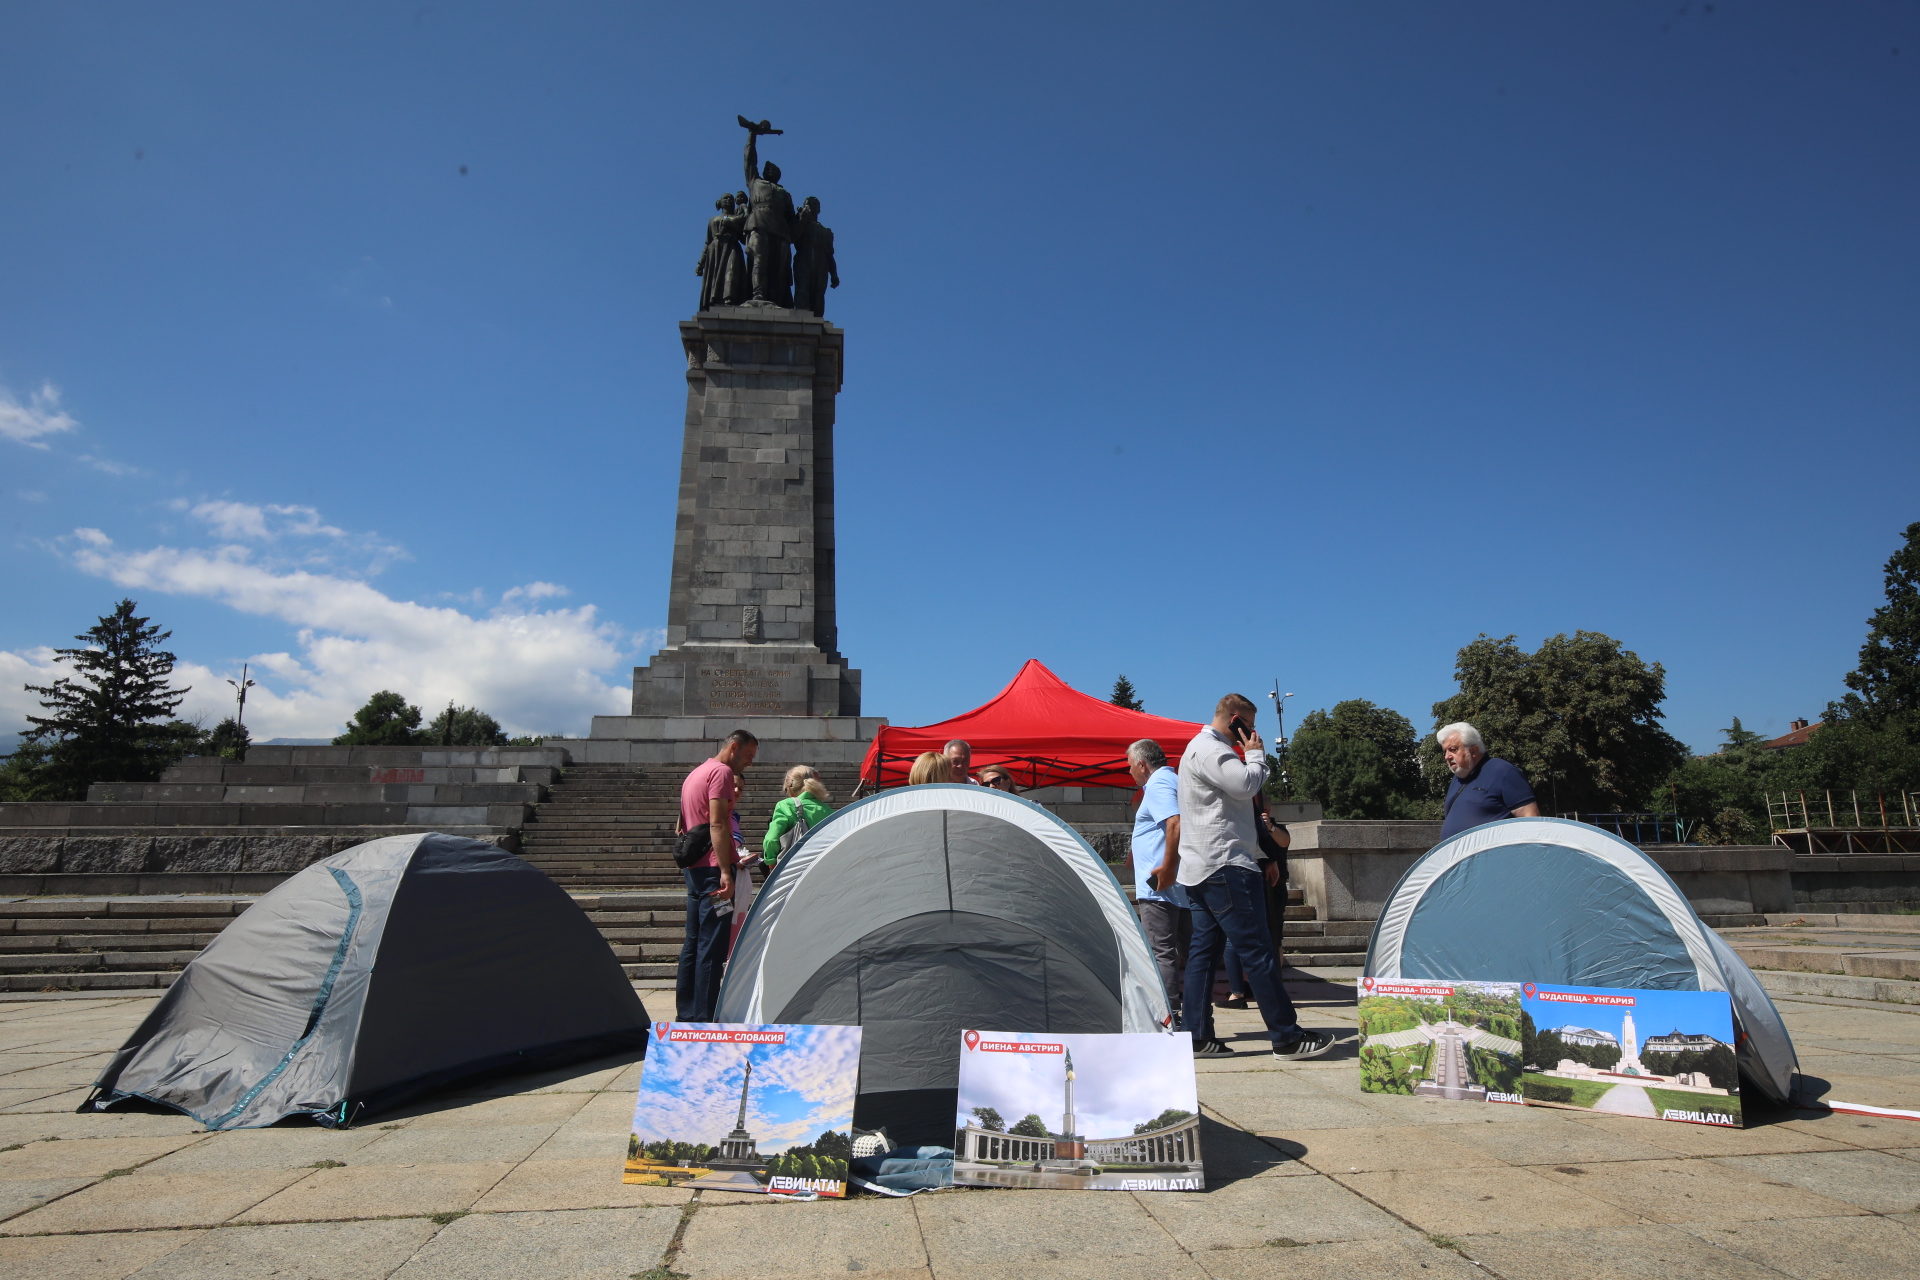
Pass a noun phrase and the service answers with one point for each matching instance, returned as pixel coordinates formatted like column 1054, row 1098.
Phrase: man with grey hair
column 959, row 756
column 1156, row 857
column 1221, row 771
column 1483, row 789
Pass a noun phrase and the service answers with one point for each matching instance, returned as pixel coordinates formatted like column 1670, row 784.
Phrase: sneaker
column 1231, row 1002
column 1311, row 1044
column 1212, row 1049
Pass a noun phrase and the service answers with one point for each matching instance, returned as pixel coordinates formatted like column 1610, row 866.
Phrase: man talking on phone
column 1219, row 868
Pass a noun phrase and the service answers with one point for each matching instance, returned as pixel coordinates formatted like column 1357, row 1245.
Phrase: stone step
column 1859, row 962
column 1842, row 986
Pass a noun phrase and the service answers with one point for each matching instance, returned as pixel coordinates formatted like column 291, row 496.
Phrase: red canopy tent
column 1047, row 733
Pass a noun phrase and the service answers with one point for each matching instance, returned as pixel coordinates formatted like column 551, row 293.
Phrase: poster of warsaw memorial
column 746, row 1108
column 1078, row 1112
column 1440, row 1039
column 1660, row 1055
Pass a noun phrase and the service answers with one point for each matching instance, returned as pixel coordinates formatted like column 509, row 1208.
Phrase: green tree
column 112, row 719
column 387, row 720
column 465, row 727
column 1579, row 717
column 1030, row 1126
column 23, row 775
column 990, row 1119
column 1358, row 761
column 229, row 740
column 1124, row 696
column 1725, row 792
column 1885, row 686
column 1171, row 1116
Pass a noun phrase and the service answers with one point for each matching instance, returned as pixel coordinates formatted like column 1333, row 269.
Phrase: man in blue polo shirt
column 1156, row 852
column 1483, row 789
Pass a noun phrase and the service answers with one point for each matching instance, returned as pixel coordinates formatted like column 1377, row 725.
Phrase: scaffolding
column 1639, row 828
column 1845, row 821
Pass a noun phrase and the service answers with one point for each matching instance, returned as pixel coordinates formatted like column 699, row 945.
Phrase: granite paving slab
column 604, row 1244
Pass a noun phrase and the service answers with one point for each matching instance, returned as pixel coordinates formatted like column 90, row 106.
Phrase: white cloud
column 536, row 670
column 533, row 591
column 267, row 523
column 31, row 666
column 40, row 416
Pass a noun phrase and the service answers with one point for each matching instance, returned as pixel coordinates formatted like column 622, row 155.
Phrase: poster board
column 745, row 1107
column 1657, row 1055
column 1078, row 1112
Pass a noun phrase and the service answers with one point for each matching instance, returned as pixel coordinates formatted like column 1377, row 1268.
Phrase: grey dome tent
column 924, row 910
column 1545, row 900
column 397, row 967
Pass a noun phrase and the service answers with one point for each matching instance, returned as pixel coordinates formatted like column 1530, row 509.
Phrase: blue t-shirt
column 1489, row 793
column 1159, row 800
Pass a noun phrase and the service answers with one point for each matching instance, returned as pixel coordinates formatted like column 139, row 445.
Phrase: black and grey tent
column 397, row 967
column 921, row 911
column 1544, row 900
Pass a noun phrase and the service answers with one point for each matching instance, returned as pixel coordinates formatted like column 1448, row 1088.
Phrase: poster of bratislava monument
column 1078, row 1112
column 738, row 1107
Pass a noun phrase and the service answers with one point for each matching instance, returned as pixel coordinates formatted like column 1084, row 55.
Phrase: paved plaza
column 1309, row 1178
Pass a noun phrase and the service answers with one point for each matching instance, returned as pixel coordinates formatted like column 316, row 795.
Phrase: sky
column 1215, row 345
column 801, row 1089
column 1119, row 1081
column 1654, row 1013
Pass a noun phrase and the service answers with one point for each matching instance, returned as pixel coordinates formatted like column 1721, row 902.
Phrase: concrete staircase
column 1844, row 955
column 610, row 826
column 140, row 942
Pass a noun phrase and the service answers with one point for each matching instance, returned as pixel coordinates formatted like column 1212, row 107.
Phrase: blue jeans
column 1232, row 903
column 703, row 954
column 1236, row 975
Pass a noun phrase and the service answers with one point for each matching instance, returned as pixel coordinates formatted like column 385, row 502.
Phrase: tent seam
column 319, row 1009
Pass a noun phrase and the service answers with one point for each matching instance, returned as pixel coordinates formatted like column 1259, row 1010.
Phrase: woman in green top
column 804, row 808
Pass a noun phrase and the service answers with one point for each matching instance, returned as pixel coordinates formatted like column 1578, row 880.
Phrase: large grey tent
column 399, row 966
column 1544, row 900
column 921, row 911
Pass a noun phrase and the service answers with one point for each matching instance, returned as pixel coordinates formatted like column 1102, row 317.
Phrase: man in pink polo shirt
column 706, row 798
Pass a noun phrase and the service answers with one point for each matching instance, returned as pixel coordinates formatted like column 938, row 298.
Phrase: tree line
column 114, row 718
column 1580, row 717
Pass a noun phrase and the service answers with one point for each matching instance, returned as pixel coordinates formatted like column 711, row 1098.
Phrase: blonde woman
column 930, row 766
column 806, row 806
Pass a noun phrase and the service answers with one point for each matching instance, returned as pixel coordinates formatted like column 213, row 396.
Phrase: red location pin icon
column 1367, row 983
column 971, row 1037
column 660, row 1030
column 1531, row 990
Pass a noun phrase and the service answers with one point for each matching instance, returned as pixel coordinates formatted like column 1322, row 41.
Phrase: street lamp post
column 241, row 686
column 1280, row 737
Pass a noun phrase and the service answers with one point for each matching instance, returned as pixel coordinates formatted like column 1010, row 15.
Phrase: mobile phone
column 1241, row 729
column 1153, row 880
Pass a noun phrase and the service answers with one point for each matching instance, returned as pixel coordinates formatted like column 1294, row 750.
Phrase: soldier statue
column 769, row 224
column 813, row 264
column 722, row 269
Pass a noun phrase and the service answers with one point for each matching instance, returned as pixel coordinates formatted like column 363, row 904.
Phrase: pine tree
column 388, row 720
column 112, row 720
column 229, row 740
column 465, row 727
column 1886, row 685
column 1124, row 696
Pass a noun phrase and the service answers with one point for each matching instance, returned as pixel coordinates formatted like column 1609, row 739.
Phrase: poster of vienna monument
column 1078, row 1112
column 737, row 1107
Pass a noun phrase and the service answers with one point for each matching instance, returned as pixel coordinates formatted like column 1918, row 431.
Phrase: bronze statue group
column 760, row 249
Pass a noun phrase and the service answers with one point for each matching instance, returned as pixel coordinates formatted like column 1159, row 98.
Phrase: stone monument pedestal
column 752, row 641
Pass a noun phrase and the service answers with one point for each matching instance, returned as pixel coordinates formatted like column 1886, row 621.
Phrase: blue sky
column 1211, row 345
column 1654, row 1012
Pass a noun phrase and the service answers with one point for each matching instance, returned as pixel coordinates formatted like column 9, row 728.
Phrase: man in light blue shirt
column 1156, row 854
